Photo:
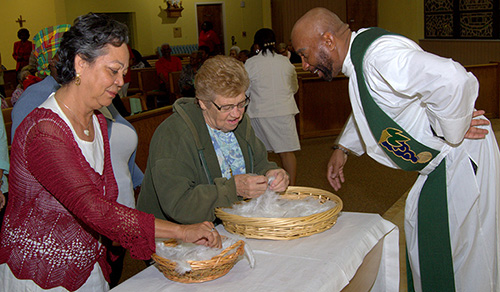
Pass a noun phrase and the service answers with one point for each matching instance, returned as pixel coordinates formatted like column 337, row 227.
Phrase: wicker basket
column 201, row 271
column 285, row 228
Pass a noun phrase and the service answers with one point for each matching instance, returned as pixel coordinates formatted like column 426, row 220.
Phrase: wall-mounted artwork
column 462, row 19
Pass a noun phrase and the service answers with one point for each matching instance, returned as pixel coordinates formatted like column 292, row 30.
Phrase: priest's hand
column 474, row 132
column 335, row 170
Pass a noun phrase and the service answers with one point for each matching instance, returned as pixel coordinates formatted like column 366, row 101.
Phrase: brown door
column 361, row 13
column 212, row 13
column 285, row 13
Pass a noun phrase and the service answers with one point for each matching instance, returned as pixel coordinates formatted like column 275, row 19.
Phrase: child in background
column 243, row 55
column 25, row 78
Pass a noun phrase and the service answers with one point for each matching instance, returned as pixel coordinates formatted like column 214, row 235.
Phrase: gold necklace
column 86, row 130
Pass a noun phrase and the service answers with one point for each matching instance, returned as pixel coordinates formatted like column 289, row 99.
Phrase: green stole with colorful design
column 434, row 248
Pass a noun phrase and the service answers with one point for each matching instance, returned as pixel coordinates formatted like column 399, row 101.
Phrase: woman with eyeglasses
column 206, row 155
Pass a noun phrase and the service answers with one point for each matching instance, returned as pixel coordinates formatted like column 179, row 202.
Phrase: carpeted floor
column 369, row 186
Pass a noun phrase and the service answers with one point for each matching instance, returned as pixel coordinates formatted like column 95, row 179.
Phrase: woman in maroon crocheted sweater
column 62, row 196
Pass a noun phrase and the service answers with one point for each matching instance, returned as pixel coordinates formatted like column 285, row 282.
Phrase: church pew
column 8, row 131
column 324, row 106
column 7, row 120
column 6, row 114
column 9, row 101
column 10, row 80
column 133, row 87
column 175, row 90
column 145, row 124
column 149, row 85
column 488, row 76
column 138, row 99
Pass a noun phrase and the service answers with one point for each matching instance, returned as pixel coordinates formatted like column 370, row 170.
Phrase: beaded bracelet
column 345, row 150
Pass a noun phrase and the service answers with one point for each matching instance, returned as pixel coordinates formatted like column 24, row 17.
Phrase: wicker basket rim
column 331, row 196
column 221, row 255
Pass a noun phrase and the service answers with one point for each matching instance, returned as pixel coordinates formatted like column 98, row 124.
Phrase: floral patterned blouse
column 228, row 152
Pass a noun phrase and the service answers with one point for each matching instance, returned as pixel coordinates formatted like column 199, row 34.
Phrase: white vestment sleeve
column 350, row 137
column 445, row 88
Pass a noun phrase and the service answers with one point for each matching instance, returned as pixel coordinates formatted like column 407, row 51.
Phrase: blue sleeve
column 135, row 171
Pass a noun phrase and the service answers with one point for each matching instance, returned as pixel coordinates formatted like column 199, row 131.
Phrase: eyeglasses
column 230, row 107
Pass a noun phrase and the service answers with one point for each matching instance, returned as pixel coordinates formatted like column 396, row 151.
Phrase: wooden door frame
column 224, row 32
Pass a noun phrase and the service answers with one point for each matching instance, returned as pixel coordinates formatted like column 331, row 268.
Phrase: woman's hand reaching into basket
column 200, row 233
column 281, row 180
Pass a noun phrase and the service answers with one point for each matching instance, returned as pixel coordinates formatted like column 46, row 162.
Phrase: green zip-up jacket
column 183, row 181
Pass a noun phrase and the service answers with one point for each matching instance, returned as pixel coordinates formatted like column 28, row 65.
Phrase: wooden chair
column 8, row 131
column 133, row 87
column 175, row 90
column 149, row 84
column 9, row 101
column 10, row 80
column 145, row 124
column 6, row 115
column 128, row 100
column 7, row 120
column 152, row 62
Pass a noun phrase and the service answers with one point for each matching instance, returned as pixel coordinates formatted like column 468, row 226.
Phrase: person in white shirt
column 272, row 108
column 426, row 101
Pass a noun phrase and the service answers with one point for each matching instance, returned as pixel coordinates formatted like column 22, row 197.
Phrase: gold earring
column 78, row 80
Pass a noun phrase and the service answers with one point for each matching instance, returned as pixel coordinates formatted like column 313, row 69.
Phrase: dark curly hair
column 86, row 38
column 266, row 39
column 208, row 25
column 22, row 31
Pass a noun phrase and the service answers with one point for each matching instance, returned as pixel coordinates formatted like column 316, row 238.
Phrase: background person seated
column 206, row 155
column 166, row 64
column 283, row 50
column 186, row 80
column 138, row 62
column 25, row 78
column 243, row 55
column 205, row 53
column 234, row 51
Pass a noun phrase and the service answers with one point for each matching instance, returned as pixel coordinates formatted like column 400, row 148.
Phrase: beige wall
column 152, row 27
column 35, row 20
column 402, row 16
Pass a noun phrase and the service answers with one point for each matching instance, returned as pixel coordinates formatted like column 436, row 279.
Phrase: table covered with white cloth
column 325, row 261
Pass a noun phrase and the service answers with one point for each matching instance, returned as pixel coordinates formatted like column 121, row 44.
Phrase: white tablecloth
column 321, row 262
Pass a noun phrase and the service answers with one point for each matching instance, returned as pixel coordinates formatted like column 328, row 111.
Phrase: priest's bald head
column 322, row 41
